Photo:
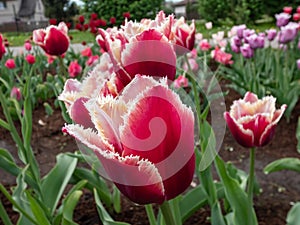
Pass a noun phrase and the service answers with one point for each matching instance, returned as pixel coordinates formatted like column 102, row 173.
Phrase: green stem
column 251, row 176
column 3, row 215
column 150, row 214
column 168, row 214
column 63, row 69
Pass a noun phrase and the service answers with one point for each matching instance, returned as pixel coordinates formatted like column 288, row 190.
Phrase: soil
column 279, row 190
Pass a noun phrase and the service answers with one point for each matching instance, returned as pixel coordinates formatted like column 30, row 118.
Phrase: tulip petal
column 158, row 127
column 56, row 42
column 79, row 114
column 104, row 124
column 270, row 129
column 150, row 54
column 250, row 97
column 243, row 137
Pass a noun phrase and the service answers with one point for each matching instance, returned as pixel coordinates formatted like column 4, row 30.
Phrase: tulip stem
column 168, row 214
column 150, row 214
column 251, row 176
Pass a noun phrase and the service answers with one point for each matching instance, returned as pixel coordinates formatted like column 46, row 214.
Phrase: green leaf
column 298, row 135
column 69, row 206
column 55, row 182
column 4, row 216
column 37, row 211
column 283, row 164
column 116, row 199
column 243, row 213
column 103, row 214
column 293, row 216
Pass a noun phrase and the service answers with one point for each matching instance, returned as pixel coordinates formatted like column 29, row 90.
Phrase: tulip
column 185, row 34
column 54, row 39
column 10, row 64
column 2, row 47
column 298, row 64
column 296, row 17
column 94, row 16
column 237, row 41
column 30, row 58
column 74, row 69
column 81, row 19
column 240, row 29
column 181, row 81
column 298, row 9
column 208, row 25
column 112, row 20
column 235, row 48
column 271, row 34
column 204, row 45
column 147, row 53
column 144, row 140
column 87, row 52
column 288, row 9
column 282, row 19
column 288, row 33
column 255, row 41
column 247, row 51
column 16, row 93
column 252, row 121
column 52, row 21
column 221, row 56
column 126, row 15
column 92, row 59
column 27, row 46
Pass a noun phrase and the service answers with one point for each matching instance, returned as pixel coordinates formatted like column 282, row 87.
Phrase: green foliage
column 115, row 8
column 62, row 10
column 230, row 11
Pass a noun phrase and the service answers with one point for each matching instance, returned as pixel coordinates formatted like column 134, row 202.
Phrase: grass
column 18, row 39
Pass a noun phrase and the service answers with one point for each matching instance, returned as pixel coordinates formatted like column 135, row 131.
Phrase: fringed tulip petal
column 79, row 114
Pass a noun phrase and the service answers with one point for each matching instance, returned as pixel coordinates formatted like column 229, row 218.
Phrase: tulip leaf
column 54, row 183
column 243, row 213
column 103, row 214
column 298, row 135
column 293, row 216
column 69, row 206
column 37, row 210
column 283, row 164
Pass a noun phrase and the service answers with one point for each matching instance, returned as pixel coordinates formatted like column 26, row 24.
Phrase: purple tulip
column 247, row 33
column 255, row 41
column 247, row 51
column 271, row 34
column 288, row 32
column 235, row 48
column 237, row 41
column 282, row 19
column 240, row 29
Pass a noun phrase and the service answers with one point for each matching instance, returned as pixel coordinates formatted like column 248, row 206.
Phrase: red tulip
column 27, row 46
column 94, row 16
column 298, row 9
column 112, row 20
column 52, row 21
column 78, row 26
column 2, row 46
column 148, row 53
column 185, row 34
column 10, row 64
column 92, row 59
column 141, row 139
column 288, row 9
column 126, row 15
column 74, row 69
column 54, row 39
column 222, row 57
column 81, row 19
column 30, row 59
column 252, row 121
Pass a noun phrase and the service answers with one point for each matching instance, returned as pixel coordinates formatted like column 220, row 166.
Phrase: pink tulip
column 54, row 39
column 181, row 81
column 10, row 64
column 240, row 29
column 298, row 64
column 256, row 41
column 204, row 45
column 16, row 93
column 30, row 58
column 252, row 121
column 74, row 69
column 247, row 51
column 271, row 34
column 296, row 17
column 2, row 46
column 87, row 52
column 185, row 34
column 147, row 53
column 282, row 19
column 141, row 140
column 92, row 59
column 27, row 46
column 288, row 9
column 221, row 56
